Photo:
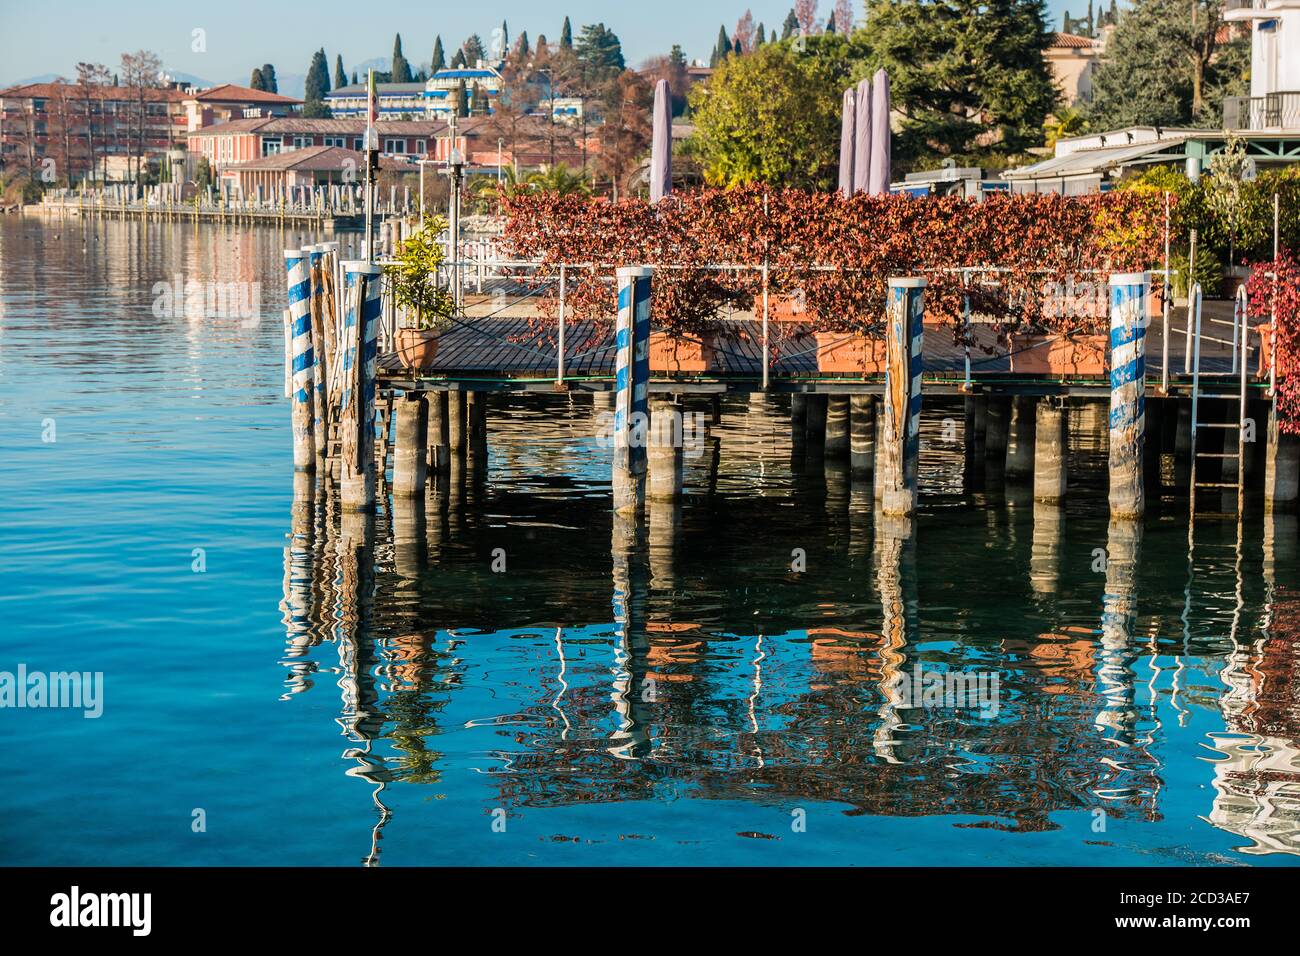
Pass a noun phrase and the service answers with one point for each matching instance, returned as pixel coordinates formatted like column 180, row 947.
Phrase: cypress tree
column 439, row 61
column 340, row 78
column 268, row 78
column 256, row 83
column 790, row 27
column 400, row 69
column 566, row 36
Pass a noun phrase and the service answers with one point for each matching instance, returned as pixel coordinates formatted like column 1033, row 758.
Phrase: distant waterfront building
column 277, row 174
column 221, row 104
column 434, row 99
column 72, row 131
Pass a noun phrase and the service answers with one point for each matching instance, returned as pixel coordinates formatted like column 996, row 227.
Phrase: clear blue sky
column 51, row 37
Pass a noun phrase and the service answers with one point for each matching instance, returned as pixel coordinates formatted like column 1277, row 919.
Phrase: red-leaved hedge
column 1263, row 295
column 1031, row 240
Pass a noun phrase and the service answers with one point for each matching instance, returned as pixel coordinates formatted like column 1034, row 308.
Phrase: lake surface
column 509, row 676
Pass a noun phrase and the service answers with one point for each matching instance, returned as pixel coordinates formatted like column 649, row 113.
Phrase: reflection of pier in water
column 640, row 675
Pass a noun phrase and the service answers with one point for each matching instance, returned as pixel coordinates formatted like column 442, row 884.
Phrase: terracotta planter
column 1080, row 355
column 416, row 348
column 674, row 355
column 846, row 354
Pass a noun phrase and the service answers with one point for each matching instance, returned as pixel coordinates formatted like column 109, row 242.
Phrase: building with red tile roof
column 227, row 102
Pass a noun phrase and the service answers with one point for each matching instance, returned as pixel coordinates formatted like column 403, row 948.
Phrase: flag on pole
column 372, row 110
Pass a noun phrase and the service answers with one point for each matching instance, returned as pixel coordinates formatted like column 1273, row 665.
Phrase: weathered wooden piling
column 438, row 457
column 476, row 437
column 357, row 417
column 837, row 426
column 997, row 430
column 815, row 417
column 862, row 436
column 458, row 422
column 1051, row 448
column 632, row 380
column 901, row 433
column 1281, row 468
column 303, row 360
column 1021, row 449
column 1152, row 443
column 664, row 451
column 410, row 453
column 1045, row 548
column 317, row 259
column 1128, row 309
column 798, row 413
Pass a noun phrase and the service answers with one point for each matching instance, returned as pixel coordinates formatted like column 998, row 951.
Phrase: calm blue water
column 681, row 696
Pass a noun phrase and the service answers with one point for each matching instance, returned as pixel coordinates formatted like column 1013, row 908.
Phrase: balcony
column 1256, row 9
column 1274, row 112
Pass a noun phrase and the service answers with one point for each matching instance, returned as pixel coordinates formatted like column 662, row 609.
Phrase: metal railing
column 1272, row 111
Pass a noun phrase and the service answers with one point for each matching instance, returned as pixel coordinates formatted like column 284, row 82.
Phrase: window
column 394, row 146
column 336, row 141
column 421, row 147
column 270, row 146
column 301, row 142
column 358, row 144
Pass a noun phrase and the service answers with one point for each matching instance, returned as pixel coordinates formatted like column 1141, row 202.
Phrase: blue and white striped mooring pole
column 1128, row 330
column 357, row 415
column 302, row 360
column 632, row 386
column 902, row 418
column 317, row 260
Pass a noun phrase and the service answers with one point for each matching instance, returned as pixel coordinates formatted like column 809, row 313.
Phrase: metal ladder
column 1240, row 362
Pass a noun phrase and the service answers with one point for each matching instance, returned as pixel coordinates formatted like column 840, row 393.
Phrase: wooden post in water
column 901, row 434
column 409, row 468
column 815, row 416
column 837, row 426
column 862, row 436
column 997, row 431
column 1128, row 311
column 320, row 414
column 664, row 449
column 438, row 460
column 1051, row 447
column 302, row 363
column 457, row 422
column 632, row 381
column 1281, row 467
column 357, row 418
column 1020, row 438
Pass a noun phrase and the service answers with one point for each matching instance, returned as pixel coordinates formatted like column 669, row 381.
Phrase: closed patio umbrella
column 880, row 135
column 848, row 124
column 862, row 139
column 661, row 149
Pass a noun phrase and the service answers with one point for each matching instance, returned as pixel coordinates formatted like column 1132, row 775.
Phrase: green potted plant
column 413, row 279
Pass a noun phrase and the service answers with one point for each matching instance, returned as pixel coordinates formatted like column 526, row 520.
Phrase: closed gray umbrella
column 848, row 124
column 661, row 149
column 862, row 139
column 880, row 135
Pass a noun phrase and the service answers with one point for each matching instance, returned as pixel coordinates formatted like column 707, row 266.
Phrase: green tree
column 760, row 36
column 401, row 70
column 257, row 83
column 791, row 25
column 599, row 51
column 461, row 99
column 355, row 80
column 316, row 86
column 439, row 61
column 270, row 84
column 473, row 50
column 566, row 35
column 1165, row 66
column 458, row 59
column 968, row 77
column 340, row 78
column 773, row 116
column 721, row 49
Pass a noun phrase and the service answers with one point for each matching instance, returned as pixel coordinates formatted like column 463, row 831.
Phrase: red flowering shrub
column 1264, row 295
column 837, row 254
